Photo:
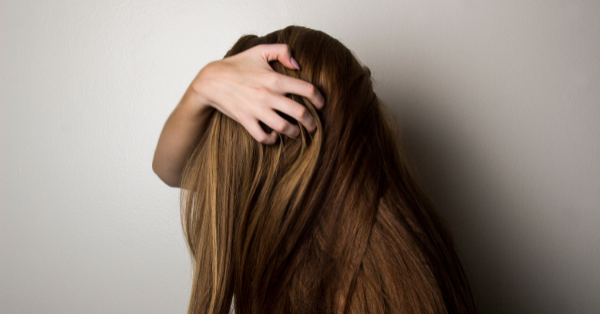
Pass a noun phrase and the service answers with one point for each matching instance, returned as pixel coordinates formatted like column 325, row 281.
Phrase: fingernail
column 295, row 63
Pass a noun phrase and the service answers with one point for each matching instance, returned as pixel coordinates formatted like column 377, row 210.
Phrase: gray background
column 498, row 102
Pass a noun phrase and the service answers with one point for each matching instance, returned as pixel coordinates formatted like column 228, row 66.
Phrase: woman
column 328, row 220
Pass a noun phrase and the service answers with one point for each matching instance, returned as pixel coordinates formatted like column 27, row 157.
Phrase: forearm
column 184, row 127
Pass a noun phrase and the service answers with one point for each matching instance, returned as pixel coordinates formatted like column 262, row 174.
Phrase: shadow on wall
column 506, row 275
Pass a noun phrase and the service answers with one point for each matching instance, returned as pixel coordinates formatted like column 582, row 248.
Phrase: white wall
column 499, row 103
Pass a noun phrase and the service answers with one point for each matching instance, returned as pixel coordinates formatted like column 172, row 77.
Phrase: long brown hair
column 331, row 222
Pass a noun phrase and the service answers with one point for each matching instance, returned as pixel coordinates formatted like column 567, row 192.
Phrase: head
column 330, row 222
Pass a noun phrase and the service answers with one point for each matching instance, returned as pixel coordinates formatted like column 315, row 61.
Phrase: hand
column 245, row 88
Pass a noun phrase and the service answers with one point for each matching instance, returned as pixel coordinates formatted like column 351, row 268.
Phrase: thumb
column 281, row 53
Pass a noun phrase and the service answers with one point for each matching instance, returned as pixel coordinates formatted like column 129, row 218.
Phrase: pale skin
column 245, row 88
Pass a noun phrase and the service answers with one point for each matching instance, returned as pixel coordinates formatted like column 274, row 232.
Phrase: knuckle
column 261, row 137
column 274, row 80
column 310, row 89
column 260, row 47
column 301, row 112
column 280, row 126
column 262, row 95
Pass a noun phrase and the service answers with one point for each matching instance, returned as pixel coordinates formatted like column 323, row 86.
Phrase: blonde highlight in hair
column 330, row 222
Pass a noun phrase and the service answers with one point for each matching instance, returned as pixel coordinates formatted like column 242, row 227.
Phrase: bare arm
column 184, row 127
column 245, row 88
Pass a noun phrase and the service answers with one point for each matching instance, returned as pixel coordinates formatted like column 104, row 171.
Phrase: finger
column 296, row 111
column 279, row 124
column 280, row 52
column 289, row 85
column 258, row 134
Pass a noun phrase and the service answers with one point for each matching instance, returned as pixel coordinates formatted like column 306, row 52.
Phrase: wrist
column 200, row 88
column 196, row 101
